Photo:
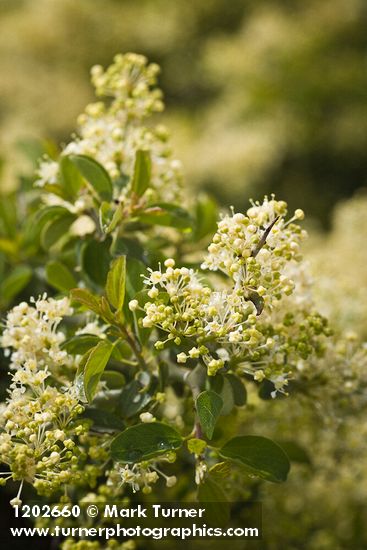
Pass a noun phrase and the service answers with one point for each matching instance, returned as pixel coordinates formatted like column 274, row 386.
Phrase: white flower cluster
column 253, row 249
column 112, row 133
column 241, row 324
column 139, row 476
column 39, row 422
column 32, row 340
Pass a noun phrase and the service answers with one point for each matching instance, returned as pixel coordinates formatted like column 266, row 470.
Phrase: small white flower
column 171, row 481
column 47, row 173
column 147, row 417
column 133, row 305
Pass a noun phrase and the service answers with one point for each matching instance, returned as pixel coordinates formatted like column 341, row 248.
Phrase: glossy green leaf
column 95, row 261
column 95, row 366
column 222, row 386
column 206, row 217
column 38, row 221
column 208, row 405
column 55, row 230
column 15, row 282
column 50, row 213
column 105, row 215
column 144, row 441
column 71, row 180
column 59, row 276
column 167, row 215
column 114, row 380
column 106, row 312
column 116, row 218
column 116, row 281
column 86, row 298
column 79, row 345
column 104, row 421
column 142, row 172
column 259, row 455
column 134, row 398
column 95, row 174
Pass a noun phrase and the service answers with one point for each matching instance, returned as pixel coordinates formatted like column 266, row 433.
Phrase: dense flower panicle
column 253, row 249
column 31, row 337
column 245, row 323
column 40, row 425
column 38, row 441
column 112, row 132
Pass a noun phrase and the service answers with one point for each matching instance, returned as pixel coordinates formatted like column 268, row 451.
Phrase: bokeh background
column 261, row 96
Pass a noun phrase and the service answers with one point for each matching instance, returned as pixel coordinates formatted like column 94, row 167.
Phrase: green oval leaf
column 94, row 367
column 70, row 177
column 95, row 260
column 144, row 441
column 79, row 345
column 15, row 282
column 95, row 174
column 206, row 217
column 260, row 456
column 114, row 380
column 103, row 421
column 142, row 172
column 56, row 230
column 166, row 214
column 208, row 405
column 116, row 280
column 223, row 387
column 86, row 298
column 133, row 398
column 59, row 276
column 49, row 213
column 40, row 218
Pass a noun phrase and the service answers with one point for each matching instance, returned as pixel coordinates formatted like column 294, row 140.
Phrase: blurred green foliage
column 262, row 96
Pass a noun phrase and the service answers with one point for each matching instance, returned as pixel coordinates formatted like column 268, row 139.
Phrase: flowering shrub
column 165, row 319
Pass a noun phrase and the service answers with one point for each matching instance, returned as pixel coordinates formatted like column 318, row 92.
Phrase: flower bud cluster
column 245, row 322
column 39, row 437
column 253, row 249
column 112, row 132
column 131, row 82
